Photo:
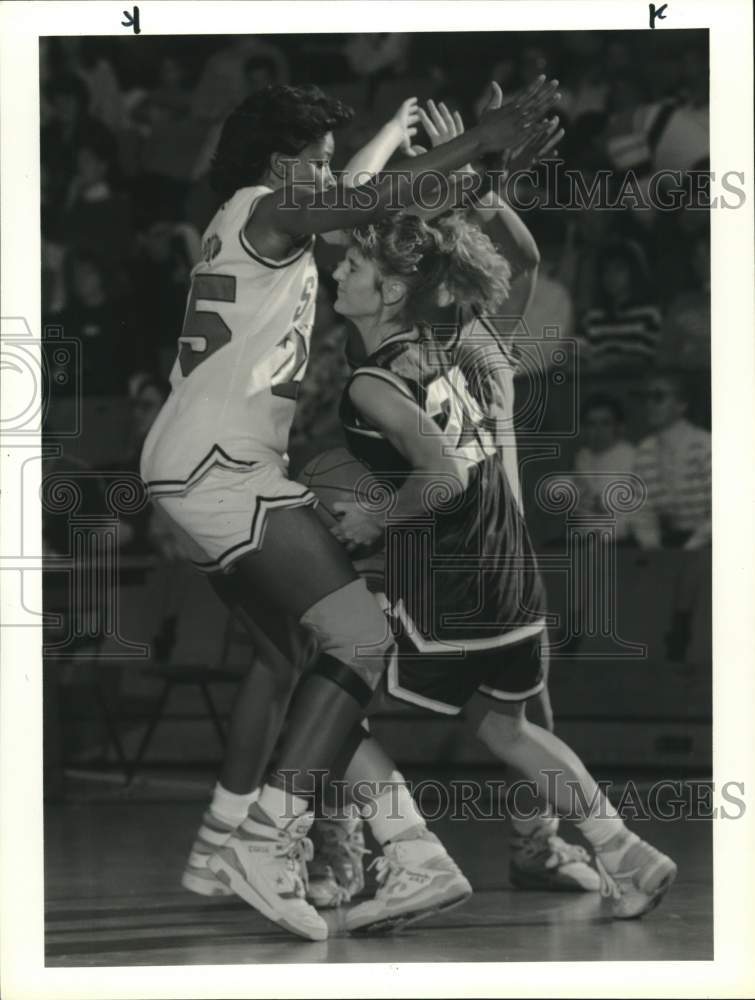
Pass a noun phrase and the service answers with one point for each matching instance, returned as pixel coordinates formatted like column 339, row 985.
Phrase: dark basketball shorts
column 445, row 682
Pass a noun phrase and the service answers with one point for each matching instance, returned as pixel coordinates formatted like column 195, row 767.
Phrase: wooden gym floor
column 112, row 898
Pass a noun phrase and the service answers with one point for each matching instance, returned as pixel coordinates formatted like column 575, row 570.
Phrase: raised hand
column 442, row 126
column 439, row 124
column 541, row 139
column 504, row 125
column 406, row 119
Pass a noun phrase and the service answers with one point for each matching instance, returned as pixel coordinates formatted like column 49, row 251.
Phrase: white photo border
column 731, row 972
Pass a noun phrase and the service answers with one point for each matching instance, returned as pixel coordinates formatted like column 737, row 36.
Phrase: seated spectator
column 95, row 217
column 683, row 143
column 686, row 332
column 171, row 97
column 223, row 84
column 622, row 330
column 584, row 87
column 604, row 453
column 632, row 124
column 674, row 462
column 147, row 393
column 65, row 123
column 91, row 61
column 100, row 320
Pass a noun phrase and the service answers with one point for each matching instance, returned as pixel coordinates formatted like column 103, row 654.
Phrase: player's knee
column 352, row 629
column 503, row 727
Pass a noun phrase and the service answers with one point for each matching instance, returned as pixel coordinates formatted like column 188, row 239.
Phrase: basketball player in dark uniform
column 462, row 584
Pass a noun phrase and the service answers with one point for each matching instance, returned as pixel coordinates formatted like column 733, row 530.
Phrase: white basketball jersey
column 242, row 352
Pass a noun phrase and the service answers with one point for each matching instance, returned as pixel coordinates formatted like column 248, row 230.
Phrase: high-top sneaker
column 634, row 875
column 416, row 879
column 264, row 864
column 542, row 860
column 197, row 877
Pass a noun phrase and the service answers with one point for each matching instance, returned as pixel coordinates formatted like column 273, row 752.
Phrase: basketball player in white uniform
column 215, row 458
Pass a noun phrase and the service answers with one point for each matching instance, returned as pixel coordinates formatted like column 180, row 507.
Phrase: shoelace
column 609, row 887
column 383, row 866
column 297, row 853
column 566, row 853
column 612, row 885
column 332, row 849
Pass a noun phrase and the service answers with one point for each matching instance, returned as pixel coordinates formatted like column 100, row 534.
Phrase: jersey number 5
column 204, row 332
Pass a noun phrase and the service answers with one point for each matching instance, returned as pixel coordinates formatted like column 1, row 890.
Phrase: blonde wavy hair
column 448, row 253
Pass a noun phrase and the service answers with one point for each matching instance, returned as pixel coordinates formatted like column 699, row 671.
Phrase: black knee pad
column 345, row 677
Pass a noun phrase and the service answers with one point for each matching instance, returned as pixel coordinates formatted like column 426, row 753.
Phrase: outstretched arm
column 507, row 229
column 518, row 246
column 290, row 213
column 373, row 156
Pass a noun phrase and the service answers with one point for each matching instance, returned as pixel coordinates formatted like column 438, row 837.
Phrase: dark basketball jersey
column 464, row 574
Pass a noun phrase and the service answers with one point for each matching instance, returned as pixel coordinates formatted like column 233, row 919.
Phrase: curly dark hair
column 275, row 119
column 449, row 251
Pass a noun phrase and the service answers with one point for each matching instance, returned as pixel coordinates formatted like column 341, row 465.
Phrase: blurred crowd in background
column 128, row 130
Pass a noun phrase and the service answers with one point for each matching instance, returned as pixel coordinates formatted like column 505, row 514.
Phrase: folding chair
column 173, row 675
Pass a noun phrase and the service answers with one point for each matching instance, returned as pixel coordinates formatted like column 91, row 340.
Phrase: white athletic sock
column 603, row 824
column 230, row 807
column 281, row 806
column 393, row 812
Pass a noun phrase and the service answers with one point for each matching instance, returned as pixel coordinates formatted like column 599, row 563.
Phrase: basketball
column 336, row 477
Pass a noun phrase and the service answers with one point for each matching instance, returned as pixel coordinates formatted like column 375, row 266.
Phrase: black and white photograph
column 377, row 529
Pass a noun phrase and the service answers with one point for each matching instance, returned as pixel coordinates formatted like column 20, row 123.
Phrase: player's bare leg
column 305, row 574
column 634, row 875
column 255, row 724
column 540, row 858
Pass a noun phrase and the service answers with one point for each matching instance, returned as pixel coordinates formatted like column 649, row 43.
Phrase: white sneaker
column 336, row 873
column 197, row 877
column 543, row 860
column 416, row 879
column 638, row 881
column 264, row 864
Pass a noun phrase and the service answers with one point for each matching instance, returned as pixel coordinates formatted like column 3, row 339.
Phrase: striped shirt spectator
column 623, row 338
column 674, row 462
column 604, row 454
column 622, row 331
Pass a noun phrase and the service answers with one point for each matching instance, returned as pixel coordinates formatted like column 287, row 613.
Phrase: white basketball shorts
column 222, row 515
